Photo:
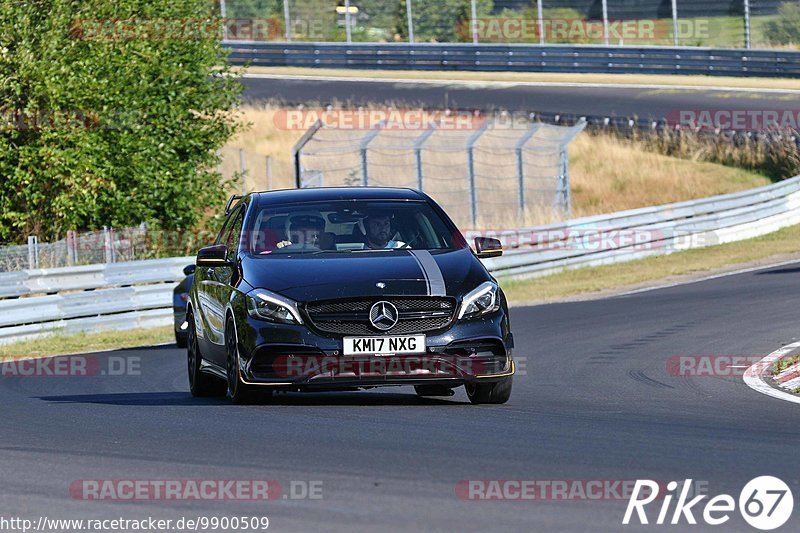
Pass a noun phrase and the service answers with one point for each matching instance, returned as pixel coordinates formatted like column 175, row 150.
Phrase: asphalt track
column 654, row 103
column 595, row 403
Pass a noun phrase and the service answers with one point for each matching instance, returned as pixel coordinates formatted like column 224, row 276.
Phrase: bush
column 785, row 28
column 101, row 129
column 773, row 154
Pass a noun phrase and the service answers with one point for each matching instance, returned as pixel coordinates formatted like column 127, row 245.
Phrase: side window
column 226, row 226
column 235, row 234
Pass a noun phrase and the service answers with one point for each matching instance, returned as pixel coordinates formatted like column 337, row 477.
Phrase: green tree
column 106, row 124
column 785, row 28
column 440, row 20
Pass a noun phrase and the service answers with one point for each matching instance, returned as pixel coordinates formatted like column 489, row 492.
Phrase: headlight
column 480, row 301
column 273, row 307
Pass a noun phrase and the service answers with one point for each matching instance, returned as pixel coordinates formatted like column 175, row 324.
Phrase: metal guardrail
column 649, row 231
column 520, row 57
column 138, row 294
column 88, row 298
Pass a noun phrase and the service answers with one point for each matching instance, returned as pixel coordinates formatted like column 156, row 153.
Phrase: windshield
column 349, row 226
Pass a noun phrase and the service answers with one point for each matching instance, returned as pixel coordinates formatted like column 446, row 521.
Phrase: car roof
column 321, row 194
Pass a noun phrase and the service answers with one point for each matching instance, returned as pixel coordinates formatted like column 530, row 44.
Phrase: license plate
column 409, row 344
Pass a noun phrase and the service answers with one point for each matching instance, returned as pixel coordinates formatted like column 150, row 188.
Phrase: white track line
column 754, row 379
column 506, row 84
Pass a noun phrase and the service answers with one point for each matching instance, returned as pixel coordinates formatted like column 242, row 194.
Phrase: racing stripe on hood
column 430, row 269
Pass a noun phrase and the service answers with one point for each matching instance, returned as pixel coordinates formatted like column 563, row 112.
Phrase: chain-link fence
column 78, row 248
column 714, row 23
column 483, row 172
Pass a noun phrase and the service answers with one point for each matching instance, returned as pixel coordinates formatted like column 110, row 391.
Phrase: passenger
column 303, row 232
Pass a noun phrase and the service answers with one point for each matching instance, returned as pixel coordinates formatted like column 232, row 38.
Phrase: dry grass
column 608, row 174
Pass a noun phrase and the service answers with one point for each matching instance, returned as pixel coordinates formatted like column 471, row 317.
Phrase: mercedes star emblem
column 383, row 315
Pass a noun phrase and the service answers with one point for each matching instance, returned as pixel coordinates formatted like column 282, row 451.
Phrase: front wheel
column 493, row 393
column 238, row 392
column 200, row 384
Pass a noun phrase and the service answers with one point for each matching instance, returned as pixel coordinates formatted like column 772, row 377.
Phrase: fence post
column 563, row 192
column 540, row 12
column 747, row 37
column 33, row 251
column 418, row 153
column 106, row 245
column 287, row 21
column 521, row 167
column 473, row 195
column 410, row 22
column 605, row 21
column 675, row 36
column 473, row 22
column 71, row 259
column 224, row 14
column 269, row 173
column 347, row 21
column 112, row 234
column 376, row 129
column 296, row 149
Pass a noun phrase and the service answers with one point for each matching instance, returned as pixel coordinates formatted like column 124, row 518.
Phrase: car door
column 220, row 284
column 207, row 308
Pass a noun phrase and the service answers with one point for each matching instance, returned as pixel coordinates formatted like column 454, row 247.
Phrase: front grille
column 351, row 317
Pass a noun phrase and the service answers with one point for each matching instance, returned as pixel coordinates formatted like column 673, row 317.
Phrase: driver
column 378, row 225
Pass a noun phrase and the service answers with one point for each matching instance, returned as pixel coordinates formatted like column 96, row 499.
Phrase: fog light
column 184, row 326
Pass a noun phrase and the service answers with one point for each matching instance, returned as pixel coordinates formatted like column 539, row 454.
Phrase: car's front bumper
column 296, row 357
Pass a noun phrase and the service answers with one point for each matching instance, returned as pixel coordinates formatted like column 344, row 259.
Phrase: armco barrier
column 138, row 294
column 660, row 230
column 519, row 57
column 88, row 298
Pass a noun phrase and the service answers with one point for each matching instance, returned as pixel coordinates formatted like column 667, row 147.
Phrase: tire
column 200, row 384
column 492, row 393
column 238, row 392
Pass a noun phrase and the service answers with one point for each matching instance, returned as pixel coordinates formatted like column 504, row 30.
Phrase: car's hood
column 345, row 275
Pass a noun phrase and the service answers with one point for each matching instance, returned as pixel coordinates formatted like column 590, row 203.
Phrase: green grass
column 60, row 344
column 785, row 363
column 613, row 277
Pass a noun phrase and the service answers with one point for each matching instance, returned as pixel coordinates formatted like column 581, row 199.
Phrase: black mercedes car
column 346, row 289
column 180, row 302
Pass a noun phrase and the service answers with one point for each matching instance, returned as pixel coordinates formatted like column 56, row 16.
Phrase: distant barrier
column 520, row 57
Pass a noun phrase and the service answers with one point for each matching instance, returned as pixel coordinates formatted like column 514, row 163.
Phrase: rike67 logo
column 765, row 503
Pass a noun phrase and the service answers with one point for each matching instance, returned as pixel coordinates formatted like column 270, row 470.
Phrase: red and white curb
column 757, row 375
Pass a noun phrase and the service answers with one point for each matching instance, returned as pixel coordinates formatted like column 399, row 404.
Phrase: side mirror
column 189, row 269
column 213, row 256
column 486, row 247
